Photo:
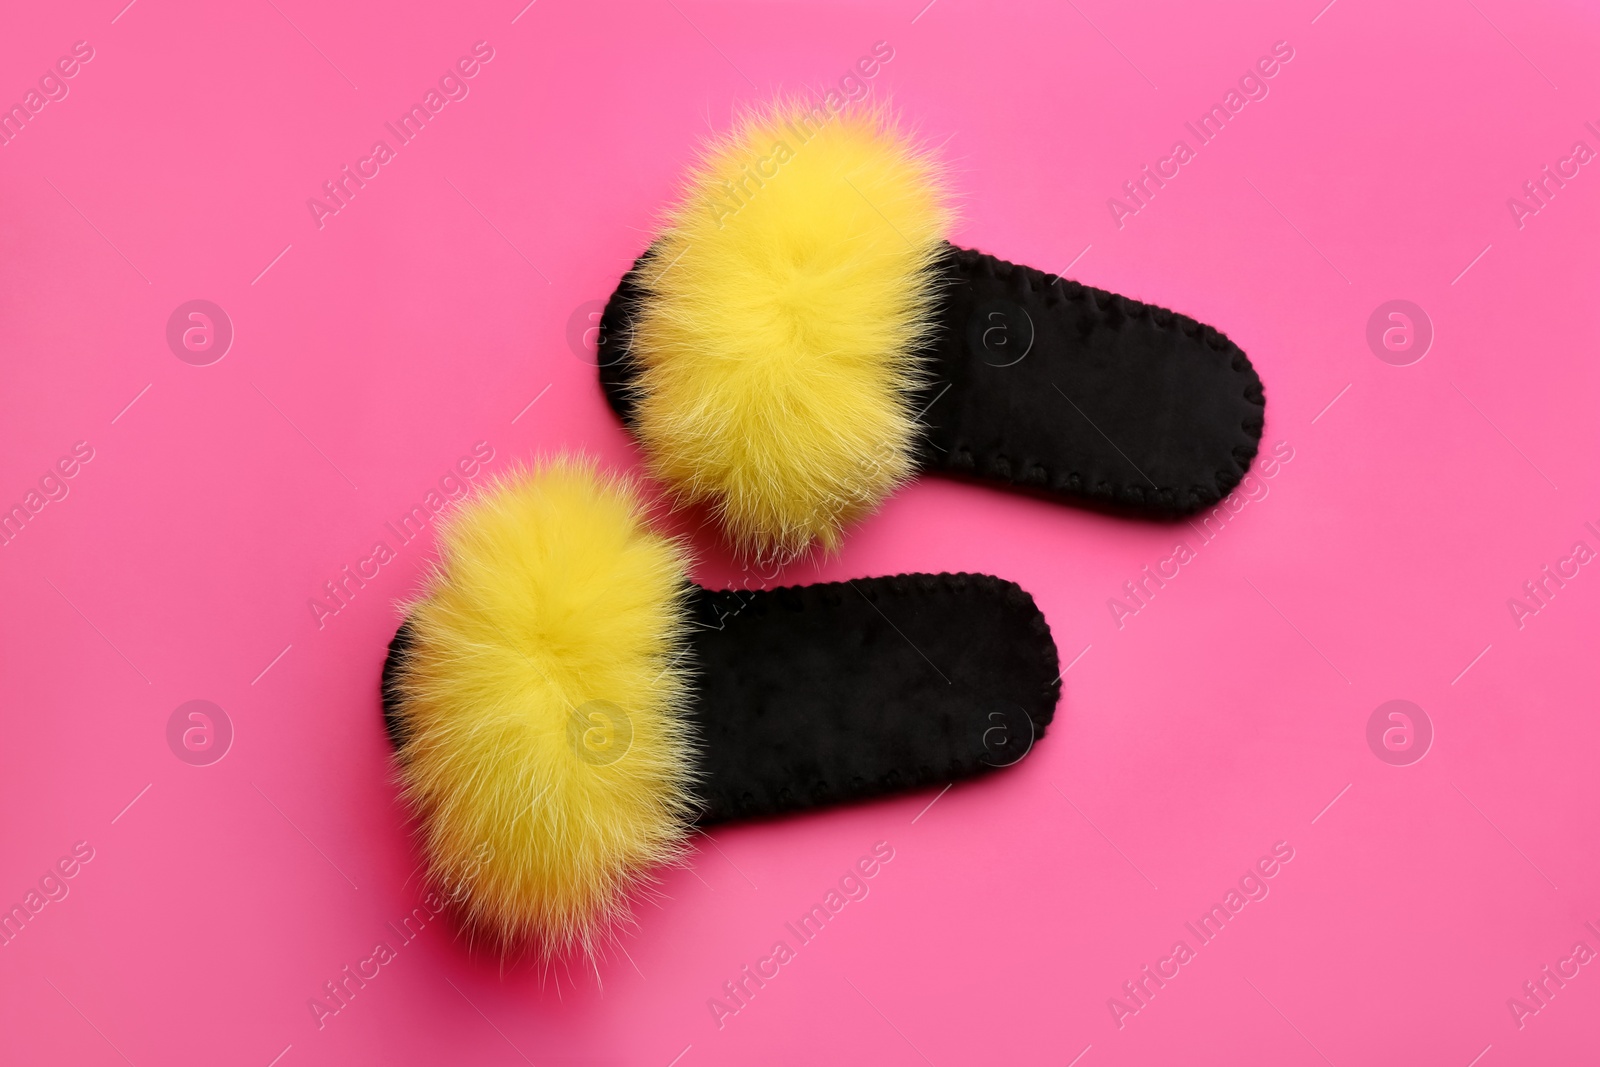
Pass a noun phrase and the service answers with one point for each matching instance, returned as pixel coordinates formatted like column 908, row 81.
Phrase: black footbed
column 1041, row 382
column 814, row 695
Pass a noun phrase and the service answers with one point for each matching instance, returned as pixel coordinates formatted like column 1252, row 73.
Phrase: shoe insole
column 815, row 695
column 1044, row 383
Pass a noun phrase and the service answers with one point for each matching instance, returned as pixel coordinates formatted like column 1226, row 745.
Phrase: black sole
column 817, row 695
column 1042, row 383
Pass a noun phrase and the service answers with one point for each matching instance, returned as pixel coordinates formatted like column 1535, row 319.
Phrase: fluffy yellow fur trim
column 548, row 753
column 785, row 306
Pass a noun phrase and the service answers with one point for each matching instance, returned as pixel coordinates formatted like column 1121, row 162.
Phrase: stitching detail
column 797, row 795
column 1072, row 481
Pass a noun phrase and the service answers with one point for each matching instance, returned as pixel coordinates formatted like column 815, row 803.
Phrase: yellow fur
column 543, row 811
column 778, row 340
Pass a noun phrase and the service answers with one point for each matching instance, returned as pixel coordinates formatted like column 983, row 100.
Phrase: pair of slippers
column 800, row 339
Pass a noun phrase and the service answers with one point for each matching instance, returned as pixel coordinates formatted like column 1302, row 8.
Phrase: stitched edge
column 1253, row 392
column 801, row 796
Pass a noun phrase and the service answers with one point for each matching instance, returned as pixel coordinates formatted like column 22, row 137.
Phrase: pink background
column 426, row 315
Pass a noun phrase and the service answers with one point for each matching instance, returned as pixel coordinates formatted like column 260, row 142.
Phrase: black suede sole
column 814, row 695
column 1040, row 382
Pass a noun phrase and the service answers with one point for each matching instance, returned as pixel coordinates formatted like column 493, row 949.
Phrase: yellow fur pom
column 785, row 305
column 547, row 751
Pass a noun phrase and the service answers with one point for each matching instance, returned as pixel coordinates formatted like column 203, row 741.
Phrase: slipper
column 566, row 707
column 801, row 339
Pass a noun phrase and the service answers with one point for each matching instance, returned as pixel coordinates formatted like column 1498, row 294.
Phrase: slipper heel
column 1041, row 382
